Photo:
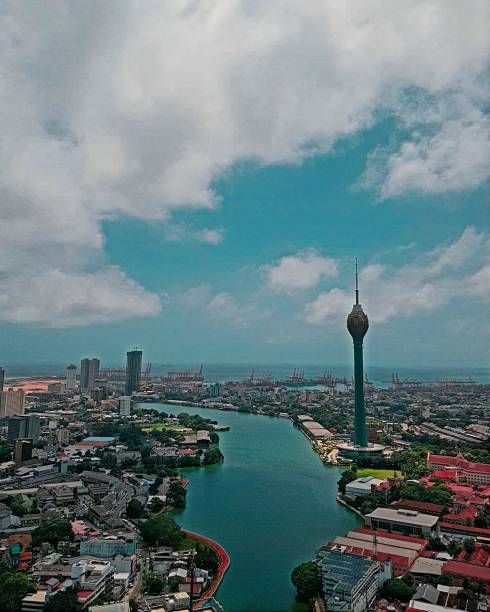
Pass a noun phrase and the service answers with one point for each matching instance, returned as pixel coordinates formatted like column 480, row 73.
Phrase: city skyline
column 217, row 218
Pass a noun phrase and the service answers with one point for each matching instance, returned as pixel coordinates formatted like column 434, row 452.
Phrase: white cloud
column 303, row 270
column 431, row 281
column 114, row 108
column 69, row 299
column 210, row 236
column 456, row 158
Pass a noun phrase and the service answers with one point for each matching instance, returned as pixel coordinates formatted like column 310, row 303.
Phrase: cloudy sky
column 196, row 177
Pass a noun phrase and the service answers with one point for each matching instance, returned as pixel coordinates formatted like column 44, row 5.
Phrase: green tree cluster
column 64, row 601
column 306, row 579
column 206, row 558
column 152, row 584
column 14, row 586
column 52, row 533
column 163, row 529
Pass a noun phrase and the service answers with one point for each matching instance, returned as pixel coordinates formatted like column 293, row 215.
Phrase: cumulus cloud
column 455, row 158
column 65, row 299
column 121, row 109
column 455, row 271
column 298, row 272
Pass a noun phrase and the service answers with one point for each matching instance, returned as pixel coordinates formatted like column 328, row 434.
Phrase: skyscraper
column 358, row 324
column 89, row 371
column 2, row 378
column 71, row 376
column 133, row 371
column 26, row 426
column 12, row 402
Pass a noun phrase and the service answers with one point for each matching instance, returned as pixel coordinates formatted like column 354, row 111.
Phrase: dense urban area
column 91, row 472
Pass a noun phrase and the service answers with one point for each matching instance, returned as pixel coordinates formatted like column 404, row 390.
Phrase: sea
column 380, row 376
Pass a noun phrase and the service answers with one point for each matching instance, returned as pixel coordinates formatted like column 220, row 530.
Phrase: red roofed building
column 466, row 516
column 461, row 570
column 419, row 506
column 473, row 473
column 445, row 474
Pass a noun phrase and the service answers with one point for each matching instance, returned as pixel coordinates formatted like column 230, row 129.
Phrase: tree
column 133, row 605
column 14, row 586
column 206, row 558
column 306, row 579
column 213, row 455
column 347, row 476
column 163, row 529
column 156, row 505
column 152, row 584
column 53, row 533
column 469, row 546
column 396, row 589
column 176, row 494
column 64, row 601
column 134, row 510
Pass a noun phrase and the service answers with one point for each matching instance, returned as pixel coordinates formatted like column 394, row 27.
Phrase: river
column 271, row 505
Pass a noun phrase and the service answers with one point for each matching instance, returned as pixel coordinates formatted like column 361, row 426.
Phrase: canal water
column 271, row 505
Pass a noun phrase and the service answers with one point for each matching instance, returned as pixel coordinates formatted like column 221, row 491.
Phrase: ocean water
column 380, row 376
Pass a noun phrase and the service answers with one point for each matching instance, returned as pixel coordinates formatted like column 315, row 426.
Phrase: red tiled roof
column 420, row 505
column 466, row 514
column 445, row 474
column 474, row 530
column 467, row 570
column 458, row 462
column 393, row 536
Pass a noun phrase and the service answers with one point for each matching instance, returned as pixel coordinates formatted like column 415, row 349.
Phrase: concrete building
column 2, row 378
column 464, row 471
column 23, row 451
column 107, row 548
column 63, row 436
column 409, row 522
column 125, row 405
column 350, row 583
column 25, row 426
column 71, row 377
column 12, row 402
column 89, row 372
column 362, row 486
column 133, row 371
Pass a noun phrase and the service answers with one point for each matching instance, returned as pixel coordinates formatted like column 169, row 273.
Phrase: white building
column 71, row 377
column 12, row 402
column 361, row 486
column 125, row 405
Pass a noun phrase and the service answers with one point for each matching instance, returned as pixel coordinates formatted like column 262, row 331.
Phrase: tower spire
column 357, row 285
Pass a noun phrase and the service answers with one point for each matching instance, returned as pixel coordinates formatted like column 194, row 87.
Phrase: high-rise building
column 12, row 402
column 25, row 426
column 2, row 378
column 89, row 372
column 133, row 371
column 358, row 324
column 125, row 405
column 71, row 376
column 23, row 451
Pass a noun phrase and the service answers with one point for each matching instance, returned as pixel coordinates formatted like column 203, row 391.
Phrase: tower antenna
column 357, row 285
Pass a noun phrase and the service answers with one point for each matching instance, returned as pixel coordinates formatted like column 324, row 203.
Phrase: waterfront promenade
column 222, row 568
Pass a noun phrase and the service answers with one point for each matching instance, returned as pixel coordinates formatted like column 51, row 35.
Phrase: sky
column 197, row 178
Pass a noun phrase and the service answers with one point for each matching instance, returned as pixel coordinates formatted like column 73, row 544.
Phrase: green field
column 381, row 474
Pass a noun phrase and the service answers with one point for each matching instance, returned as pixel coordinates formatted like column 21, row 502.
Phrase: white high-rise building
column 12, row 402
column 125, row 405
column 71, row 377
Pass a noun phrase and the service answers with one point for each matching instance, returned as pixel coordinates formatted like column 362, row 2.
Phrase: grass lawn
column 381, row 474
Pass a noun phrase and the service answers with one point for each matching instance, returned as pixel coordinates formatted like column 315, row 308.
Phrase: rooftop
column 407, row 517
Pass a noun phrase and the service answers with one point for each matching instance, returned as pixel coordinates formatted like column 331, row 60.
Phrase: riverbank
column 222, row 568
column 342, row 501
column 269, row 505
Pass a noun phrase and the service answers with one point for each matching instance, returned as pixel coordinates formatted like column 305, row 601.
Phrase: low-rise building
column 350, row 583
column 409, row 522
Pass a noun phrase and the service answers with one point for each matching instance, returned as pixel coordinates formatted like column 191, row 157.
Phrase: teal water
column 271, row 505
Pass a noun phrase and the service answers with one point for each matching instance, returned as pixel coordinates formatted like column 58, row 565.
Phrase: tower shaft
column 360, row 430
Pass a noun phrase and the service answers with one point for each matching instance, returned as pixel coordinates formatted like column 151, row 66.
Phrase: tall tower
column 358, row 324
column 133, row 370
